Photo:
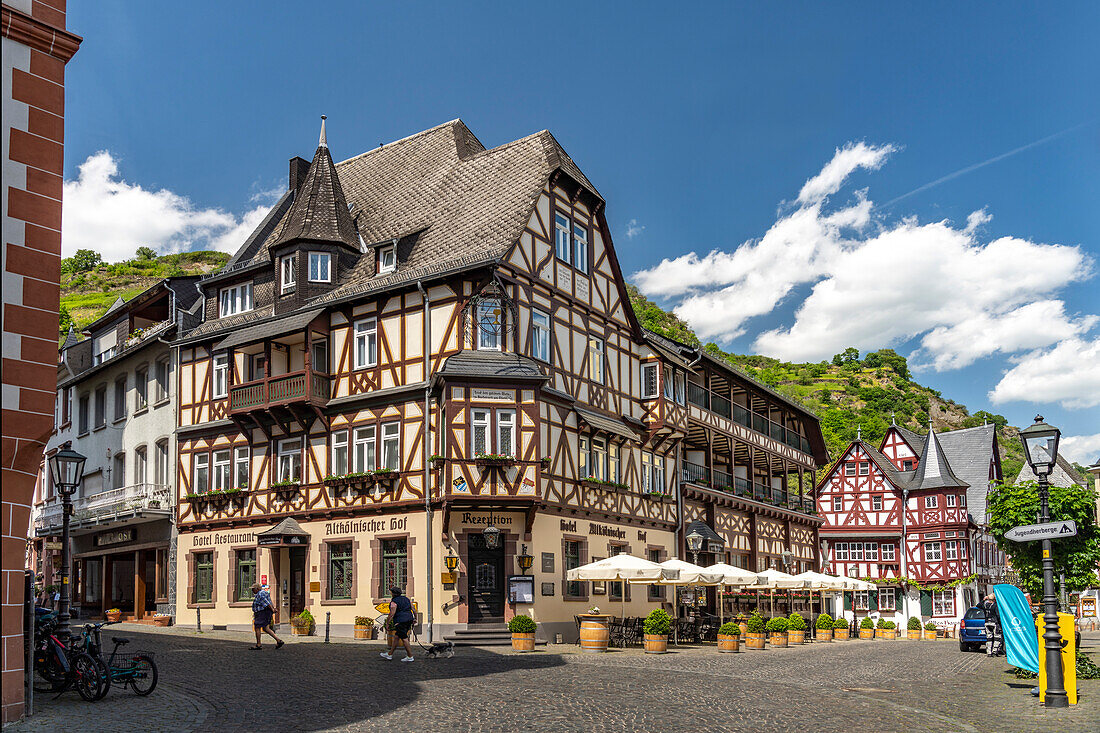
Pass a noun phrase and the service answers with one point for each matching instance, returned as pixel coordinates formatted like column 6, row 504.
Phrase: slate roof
column 934, row 471
column 969, row 452
column 490, row 365
column 709, row 535
column 268, row 329
column 287, row 526
column 901, row 479
column 320, row 211
column 607, row 424
column 915, row 440
column 1064, row 474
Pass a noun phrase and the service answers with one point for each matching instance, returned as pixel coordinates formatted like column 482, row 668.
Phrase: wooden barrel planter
column 754, row 641
column 929, row 635
column 887, row 634
column 824, row 635
column 594, row 633
column 301, row 629
column 866, row 633
column 779, row 639
column 744, row 628
column 523, row 642
column 841, row 634
column 364, row 631
column 729, row 643
column 656, row 643
column 913, row 634
column 796, row 636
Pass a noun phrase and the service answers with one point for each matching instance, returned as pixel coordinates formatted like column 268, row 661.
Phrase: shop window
column 120, row 398
column 395, row 565
column 572, row 559
column 340, row 571
column 200, row 483
column 339, row 459
column 366, row 343
column 290, row 460
column 245, row 574
column 141, row 388
column 391, row 446
column 365, row 449
column 221, row 376
column 540, row 336
column 943, row 603
column 240, row 464
column 649, row 381
column 204, row 577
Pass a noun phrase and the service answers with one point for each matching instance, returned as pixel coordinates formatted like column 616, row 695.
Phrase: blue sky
column 700, row 126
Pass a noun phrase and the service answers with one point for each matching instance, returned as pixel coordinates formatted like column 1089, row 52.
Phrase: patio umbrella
column 731, row 575
column 772, row 579
column 822, row 582
column 619, row 568
column 684, row 573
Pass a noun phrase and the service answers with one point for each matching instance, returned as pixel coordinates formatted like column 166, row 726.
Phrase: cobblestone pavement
column 213, row 682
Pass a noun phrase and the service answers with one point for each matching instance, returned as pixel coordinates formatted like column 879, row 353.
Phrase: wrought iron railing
column 109, row 503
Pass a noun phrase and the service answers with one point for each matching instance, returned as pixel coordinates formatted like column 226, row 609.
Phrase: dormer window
column 320, row 267
column 387, row 259
column 234, row 300
column 286, row 268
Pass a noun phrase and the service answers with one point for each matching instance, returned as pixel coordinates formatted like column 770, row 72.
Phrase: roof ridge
column 405, row 139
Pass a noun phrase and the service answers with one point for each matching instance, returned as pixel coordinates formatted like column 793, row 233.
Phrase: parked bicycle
column 59, row 668
column 135, row 669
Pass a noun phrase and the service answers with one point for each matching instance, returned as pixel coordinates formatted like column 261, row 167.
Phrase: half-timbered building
column 427, row 352
column 910, row 515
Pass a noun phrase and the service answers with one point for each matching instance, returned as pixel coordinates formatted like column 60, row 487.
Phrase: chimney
column 299, row 167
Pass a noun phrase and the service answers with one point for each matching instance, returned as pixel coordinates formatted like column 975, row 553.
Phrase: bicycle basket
column 130, row 659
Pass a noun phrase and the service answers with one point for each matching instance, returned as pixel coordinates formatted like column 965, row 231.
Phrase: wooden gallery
column 422, row 370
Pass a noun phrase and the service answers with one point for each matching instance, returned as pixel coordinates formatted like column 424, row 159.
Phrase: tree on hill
column 849, row 356
column 145, row 253
column 651, row 316
column 83, row 260
column 65, row 320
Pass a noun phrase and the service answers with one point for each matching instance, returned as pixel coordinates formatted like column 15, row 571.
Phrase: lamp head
column 451, row 561
column 694, row 541
column 1040, row 446
column 67, row 467
column 492, row 537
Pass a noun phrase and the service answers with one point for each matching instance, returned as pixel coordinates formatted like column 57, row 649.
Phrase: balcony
column 694, row 473
column 303, row 387
column 114, row 505
column 702, row 397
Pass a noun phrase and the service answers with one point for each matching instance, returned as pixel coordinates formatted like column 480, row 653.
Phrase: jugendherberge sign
column 1047, row 531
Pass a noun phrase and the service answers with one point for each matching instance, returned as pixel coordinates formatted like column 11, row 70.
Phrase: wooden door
column 486, row 581
column 297, row 580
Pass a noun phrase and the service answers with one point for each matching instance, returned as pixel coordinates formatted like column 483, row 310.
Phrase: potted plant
column 286, row 490
column 930, row 630
column 523, row 628
column 884, row 629
column 729, row 637
column 302, row 624
column 494, row 460
column 840, row 629
column 162, row 619
column 912, row 629
column 824, row 627
column 796, row 631
column 777, row 631
column 866, row 628
column 364, row 629
column 113, row 615
column 754, row 637
column 437, row 461
column 390, row 636
column 544, row 463
column 656, row 627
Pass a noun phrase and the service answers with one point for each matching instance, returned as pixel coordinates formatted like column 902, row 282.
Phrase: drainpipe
column 902, row 548
column 427, row 448
column 680, row 547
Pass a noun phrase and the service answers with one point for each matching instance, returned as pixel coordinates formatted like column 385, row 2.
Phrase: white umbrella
column 731, row 575
column 857, row 584
column 771, row 579
column 621, row 567
column 823, row 582
column 684, row 573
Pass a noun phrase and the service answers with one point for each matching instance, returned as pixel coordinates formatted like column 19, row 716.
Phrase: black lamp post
column 67, row 468
column 695, row 543
column 1041, row 449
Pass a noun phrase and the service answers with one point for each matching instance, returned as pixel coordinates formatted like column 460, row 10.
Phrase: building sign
column 354, row 526
column 604, row 530
column 484, row 394
column 548, row 589
column 114, row 537
column 225, row 538
column 484, row 519
column 547, row 562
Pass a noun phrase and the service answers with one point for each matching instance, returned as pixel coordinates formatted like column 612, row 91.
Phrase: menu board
column 521, row 589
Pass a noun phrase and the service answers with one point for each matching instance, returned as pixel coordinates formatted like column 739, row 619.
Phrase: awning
column 596, row 421
column 268, row 329
column 712, row 541
column 286, row 533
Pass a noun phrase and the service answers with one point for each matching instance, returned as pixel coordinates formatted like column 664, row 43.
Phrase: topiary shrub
column 658, row 622
column 797, row 623
column 914, row 624
column 730, row 629
column 824, row 622
column 840, row 623
column 881, row 624
column 890, row 626
column 778, row 625
column 755, row 624
column 930, row 626
column 866, row 623
column 522, row 624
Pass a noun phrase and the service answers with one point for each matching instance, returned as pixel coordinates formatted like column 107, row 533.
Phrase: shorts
column 262, row 619
column 401, row 629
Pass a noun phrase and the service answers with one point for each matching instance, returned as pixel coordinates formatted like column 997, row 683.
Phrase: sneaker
column 386, row 656
column 407, row 659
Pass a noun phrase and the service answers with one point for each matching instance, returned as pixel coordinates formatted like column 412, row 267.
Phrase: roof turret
column 934, row 472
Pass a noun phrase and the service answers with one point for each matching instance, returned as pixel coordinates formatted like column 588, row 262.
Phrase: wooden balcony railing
column 694, row 473
column 701, row 397
column 303, row 386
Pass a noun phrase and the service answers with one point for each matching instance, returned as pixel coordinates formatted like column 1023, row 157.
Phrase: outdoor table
column 594, row 631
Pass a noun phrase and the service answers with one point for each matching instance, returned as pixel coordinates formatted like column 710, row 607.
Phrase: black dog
column 441, row 649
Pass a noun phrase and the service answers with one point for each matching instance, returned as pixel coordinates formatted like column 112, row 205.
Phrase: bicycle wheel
column 143, row 675
column 50, row 676
column 87, row 678
column 104, row 677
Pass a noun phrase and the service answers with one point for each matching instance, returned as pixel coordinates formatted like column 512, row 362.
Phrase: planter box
column 494, row 462
column 364, row 632
column 913, row 634
column 929, row 635
column 602, row 486
column 824, row 635
column 778, row 639
column 866, row 633
column 729, row 643
column 162, row 621
column 299, row 630
column 885, row 634
column 840, row 634
column 754, row 641
column 523, row 642
column 287, row 493
column 438, row 463
column 795, row 636
column 656, row 643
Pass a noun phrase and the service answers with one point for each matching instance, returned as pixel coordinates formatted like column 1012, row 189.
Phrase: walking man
column 992, row 625
column 263, row 610
column 400, row 620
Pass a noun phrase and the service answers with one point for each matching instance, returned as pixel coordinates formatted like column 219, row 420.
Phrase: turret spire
column 322, row 143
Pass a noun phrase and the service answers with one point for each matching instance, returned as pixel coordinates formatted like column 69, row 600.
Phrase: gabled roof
column 969, row 452
column 320, row 211
column 915, row 440
column 934, row 471
column 490, row 365
column 901, row 479
column 1064, row 474
column 288, row 526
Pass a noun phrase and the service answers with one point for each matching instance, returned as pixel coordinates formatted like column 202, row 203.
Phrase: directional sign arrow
column 1046, row 531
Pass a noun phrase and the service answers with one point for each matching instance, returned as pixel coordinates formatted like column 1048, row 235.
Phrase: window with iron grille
column 395, row 564
column 246, row 574
column 649, row 380
column 340, row 571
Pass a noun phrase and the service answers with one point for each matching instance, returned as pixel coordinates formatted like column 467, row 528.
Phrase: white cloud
column 633, row 229
column 104, row 213
column 1069, row 374
column 875, row 284
column 1083, row 449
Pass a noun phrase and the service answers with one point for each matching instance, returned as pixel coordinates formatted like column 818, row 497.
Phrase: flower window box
column 612, row 487
column 287, row 490
column 491, row 460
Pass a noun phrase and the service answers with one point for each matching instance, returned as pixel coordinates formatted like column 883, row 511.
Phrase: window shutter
column 872, row 600
column 926, row 603
column 848, row 601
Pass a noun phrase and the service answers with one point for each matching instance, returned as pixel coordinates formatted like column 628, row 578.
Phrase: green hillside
column 850, row 392
column 89, row 286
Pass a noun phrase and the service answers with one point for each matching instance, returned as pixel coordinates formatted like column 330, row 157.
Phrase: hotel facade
column 425, row 355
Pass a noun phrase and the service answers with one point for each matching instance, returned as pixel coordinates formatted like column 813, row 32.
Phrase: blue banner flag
column 1017, row 627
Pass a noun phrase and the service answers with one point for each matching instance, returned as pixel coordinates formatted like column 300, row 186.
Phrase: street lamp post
column 695, row 543
column 1041, row 449
column 67, row 467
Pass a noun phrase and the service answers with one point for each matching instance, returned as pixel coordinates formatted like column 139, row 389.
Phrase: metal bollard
column 328, row 617
column 198, row 619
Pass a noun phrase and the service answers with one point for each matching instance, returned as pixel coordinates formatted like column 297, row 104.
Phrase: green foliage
column 1086, row 668
column 729, row 629
column 64, row 320
column 778, row 625
column 866, row 623
column 930, row 626
column 824, row 621
column 797, row 623
column 145, row 253
column 651, row 316
column 881, row 623
column 755, row 624
column 1077, row 557
column 840, row 624
column 913, row 624
column 890, row 625
column 82, row 261
column 305, row 618
column 522, row 624
column 658, row 622
column 362, row 621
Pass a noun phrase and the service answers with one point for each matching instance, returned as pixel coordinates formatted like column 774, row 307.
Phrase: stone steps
column 483, row 635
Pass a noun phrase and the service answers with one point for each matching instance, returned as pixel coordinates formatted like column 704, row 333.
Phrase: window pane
column 394, row 564
column 246, row 574
column 506, row 432
column 480, row 435
column 365, row 449
column 580, row 241
column 340, row 572
column 561, row 225
column 339, row 453
column 391, row 446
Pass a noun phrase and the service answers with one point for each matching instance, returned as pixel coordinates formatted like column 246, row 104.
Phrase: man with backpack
column 993, row 641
